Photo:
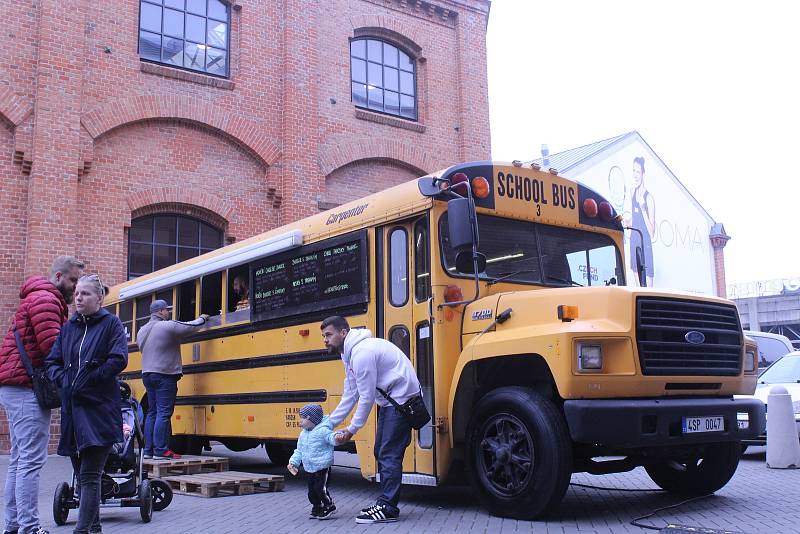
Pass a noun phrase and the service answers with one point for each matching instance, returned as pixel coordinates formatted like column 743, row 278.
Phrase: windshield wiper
column 509, row 275
column 571, row 282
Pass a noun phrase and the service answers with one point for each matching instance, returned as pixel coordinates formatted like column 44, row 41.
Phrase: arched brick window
column 158, row 241
column 383, row 77
column 190, row 34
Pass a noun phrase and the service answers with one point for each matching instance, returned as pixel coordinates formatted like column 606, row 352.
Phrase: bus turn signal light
column 590, row 208
column 480, row 187
column 606, row 211
column 567, row 313
column 453, row 294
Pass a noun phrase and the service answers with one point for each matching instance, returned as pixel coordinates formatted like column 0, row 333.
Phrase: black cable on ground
column 636, row 523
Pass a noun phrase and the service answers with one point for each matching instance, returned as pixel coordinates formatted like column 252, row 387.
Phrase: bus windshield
column 532, row 253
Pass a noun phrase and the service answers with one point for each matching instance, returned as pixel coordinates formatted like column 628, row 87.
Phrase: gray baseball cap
column 159, row 305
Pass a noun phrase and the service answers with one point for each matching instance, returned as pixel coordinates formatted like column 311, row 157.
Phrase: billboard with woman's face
column 667, row 228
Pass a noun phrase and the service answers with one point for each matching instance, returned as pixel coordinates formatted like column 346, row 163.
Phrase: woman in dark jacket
column 90, row 352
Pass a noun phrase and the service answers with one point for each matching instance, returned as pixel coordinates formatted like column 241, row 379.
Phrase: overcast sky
column 712, row 86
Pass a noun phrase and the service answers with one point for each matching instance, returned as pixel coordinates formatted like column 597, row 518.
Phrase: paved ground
column 756, row 500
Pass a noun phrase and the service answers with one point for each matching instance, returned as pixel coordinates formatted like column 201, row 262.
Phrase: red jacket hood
column 40, row 283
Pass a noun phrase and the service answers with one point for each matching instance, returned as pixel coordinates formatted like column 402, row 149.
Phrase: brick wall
column 91, row 136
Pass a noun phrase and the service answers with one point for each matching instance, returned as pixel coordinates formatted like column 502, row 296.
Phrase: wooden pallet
column 186, row 465
column 224, row 483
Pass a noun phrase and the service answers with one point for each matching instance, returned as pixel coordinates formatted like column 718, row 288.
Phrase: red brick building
column 208, row 121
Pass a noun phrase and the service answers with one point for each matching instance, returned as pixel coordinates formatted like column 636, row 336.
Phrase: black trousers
column 89, row 469
column 318, row 488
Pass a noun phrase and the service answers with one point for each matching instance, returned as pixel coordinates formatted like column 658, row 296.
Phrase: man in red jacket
column 41, row 312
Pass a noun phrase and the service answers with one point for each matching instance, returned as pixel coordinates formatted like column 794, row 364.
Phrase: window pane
column 177, row 4
column 210, row 237
column 141, row 258
column 165, row 295
column 196, row 6
column 374, row 75
column 217, row 34
column 398, row 258
column 150, row 46
column 150, row 17
column 211, row 297
column 359, row 94
column 425, row 374
column 164, row 256
column 142, row 229
column 407, row 107
column 407, row 83
column 216, row 63
column 217, row 9
column 142, row 310
column 406, row 62
column 126, row 311
column 399, row 337
column 195, row 29
column 173, row 23
column 358, row 49
column 422, row 268
column 165, row 229
column 375, row 98
column 188, row 232
column 186, row 301
column 390, row 78
column 389, row 55
column 173, row 51
column 359, row 71
column 194, row 56
column 374, row 49
column 185, row 253
column 392, row 102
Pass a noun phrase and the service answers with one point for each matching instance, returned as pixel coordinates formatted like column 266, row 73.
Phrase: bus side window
column 187, row 298
column 425, row 375
column 142, row 312
column 211, row 298
column 238, row 307
column 422, row 262
column 126, row 316
column 399, row 336
column 111, row 308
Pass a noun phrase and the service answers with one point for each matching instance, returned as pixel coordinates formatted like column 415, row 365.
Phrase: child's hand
column 292, row 469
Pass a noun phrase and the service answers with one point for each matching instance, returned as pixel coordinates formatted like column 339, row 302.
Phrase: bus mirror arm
column 478, row 264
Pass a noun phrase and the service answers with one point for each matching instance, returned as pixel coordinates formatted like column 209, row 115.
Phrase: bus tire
column 519, row 455
column 189, row 445
column 700, row 475
column 279, row 453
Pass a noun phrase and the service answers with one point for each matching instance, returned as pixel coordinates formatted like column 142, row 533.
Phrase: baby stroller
column 124, row 482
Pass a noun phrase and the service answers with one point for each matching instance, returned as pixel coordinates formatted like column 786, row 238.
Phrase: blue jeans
column 391, row 439
column 29, row 429
column 161, row 392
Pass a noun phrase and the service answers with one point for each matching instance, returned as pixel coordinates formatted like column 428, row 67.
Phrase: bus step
column 224, row 483
column 186, row 465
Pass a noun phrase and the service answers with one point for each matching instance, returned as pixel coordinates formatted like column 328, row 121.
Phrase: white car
column 771, row 347
column 784, row 372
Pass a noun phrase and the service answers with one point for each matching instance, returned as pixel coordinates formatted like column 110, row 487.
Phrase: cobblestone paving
column 757, row 500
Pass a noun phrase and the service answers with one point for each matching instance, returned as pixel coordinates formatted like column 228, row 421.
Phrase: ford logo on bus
column 694, row 337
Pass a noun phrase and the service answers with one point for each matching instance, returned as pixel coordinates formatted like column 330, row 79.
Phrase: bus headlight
column 590, row 357
column 750, row 362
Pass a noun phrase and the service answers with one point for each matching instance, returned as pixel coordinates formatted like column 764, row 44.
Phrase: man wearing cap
column 160, row 342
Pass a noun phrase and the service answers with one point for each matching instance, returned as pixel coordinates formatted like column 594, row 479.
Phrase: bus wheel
column 698, row 475
column 189, row 445
column 519, row 453
column 279, row 453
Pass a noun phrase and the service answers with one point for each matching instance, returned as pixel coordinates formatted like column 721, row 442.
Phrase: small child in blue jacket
column 315, row 452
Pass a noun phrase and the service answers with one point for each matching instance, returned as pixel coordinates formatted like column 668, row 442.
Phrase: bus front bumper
column 630, row 423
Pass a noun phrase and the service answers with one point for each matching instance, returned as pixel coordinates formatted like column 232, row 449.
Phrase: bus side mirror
column 641, row 270
column 464, row 263
column 460, row 225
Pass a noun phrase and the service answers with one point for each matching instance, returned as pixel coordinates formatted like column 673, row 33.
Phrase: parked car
column 784, row 372
column 771, row 347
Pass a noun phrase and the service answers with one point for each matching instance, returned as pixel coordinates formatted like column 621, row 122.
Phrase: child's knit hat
column 312, row 412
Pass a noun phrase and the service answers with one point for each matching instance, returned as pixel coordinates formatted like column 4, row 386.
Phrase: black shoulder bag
column 44, row 388
column 413, row 409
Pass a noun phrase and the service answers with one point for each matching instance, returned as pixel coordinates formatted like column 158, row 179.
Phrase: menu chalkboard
column 329, row 274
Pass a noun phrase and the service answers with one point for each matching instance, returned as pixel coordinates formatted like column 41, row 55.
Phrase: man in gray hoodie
column 160, row 342
column 371, row 363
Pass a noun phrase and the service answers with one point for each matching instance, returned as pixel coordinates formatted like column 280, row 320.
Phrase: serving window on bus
column 238, row 294
column 532, row 253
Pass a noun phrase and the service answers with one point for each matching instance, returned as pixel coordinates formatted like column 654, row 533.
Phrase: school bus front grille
column 664, row 328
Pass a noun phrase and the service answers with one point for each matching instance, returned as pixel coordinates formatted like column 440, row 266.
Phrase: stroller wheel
column 145, row 501
column 162, row 494
column 61, row 503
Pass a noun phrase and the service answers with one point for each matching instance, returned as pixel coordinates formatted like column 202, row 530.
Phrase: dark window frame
column 366, row 59
column 422, row 261
column 160, row 61
column 153, row 242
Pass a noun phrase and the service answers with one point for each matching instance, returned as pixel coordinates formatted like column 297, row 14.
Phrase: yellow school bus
column 505, row 285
